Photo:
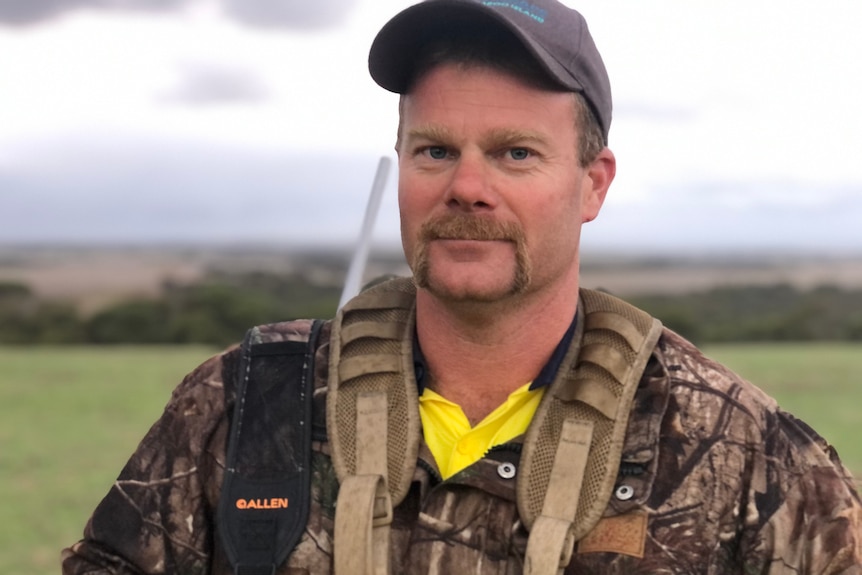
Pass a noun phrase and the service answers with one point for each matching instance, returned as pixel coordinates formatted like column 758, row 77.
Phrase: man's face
column 490, row 191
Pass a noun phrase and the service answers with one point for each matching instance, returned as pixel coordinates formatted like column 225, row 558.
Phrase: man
column 487, row 416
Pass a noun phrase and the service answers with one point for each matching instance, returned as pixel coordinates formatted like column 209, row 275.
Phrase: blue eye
column 519, row 153
column 437, row 152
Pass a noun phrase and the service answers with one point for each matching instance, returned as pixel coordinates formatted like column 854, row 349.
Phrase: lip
column 468, row 247
column 469, row 241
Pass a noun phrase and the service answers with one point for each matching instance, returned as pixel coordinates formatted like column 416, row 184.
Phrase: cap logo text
column 525, row 8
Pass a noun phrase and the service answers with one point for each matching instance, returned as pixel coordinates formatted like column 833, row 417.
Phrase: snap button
column 624, row 492
column 506, row 470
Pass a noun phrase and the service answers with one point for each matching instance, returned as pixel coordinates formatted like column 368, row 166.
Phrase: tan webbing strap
column 354, row 367
column 364, row 508
column 551, row 541
column 547, row 545
column 357, row 543
column 611, row 360
column 593, row 393
column 371, row 433
column 615, row 323
column 371, row 329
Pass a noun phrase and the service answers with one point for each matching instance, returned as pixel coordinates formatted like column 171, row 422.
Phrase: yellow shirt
column 455, row 444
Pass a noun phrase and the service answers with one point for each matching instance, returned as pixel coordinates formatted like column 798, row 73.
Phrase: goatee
column 464, row 227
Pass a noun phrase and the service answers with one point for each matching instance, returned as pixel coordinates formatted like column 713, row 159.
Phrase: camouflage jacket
column 714, row 478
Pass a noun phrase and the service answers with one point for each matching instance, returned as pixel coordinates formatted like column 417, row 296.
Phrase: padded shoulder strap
column 371, row 352
column 594, row 389
column 372, row 421
column 264, row 501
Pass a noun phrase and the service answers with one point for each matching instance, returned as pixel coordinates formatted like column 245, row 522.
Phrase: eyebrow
column 507, row 137
column 496, row 138
column 431, row 133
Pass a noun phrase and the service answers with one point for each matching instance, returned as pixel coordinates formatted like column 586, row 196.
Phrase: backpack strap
column 264, row 502
column 371, row 350
column 571, row 452
column 364, row 513
column 551, row 540
column 573, row 446
column 372, row 422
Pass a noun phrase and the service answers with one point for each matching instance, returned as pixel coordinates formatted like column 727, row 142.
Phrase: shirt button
column 624, row 492
column 506, row 470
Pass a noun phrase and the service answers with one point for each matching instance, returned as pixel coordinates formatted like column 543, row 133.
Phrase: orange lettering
column 274, row 503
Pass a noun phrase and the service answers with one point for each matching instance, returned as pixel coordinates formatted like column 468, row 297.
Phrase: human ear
column 600, row 174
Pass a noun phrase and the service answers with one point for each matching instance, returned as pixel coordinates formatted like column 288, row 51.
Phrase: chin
column 470, row 291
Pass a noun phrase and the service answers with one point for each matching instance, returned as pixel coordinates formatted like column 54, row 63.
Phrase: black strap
column 265, row 495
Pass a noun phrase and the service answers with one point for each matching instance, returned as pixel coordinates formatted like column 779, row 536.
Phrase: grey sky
column 29, row 12
column 300, row 15
column 202, row 84
column 179, row 119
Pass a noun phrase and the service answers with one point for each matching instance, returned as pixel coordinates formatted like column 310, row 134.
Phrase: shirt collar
column 545, row 377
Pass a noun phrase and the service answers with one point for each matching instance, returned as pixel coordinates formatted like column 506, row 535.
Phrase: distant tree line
column 219, row 309
column 760, row 313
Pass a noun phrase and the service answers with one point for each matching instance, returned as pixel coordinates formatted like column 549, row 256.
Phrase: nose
column 470, row 187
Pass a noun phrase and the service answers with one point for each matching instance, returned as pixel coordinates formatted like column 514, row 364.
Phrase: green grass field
column 69, row 417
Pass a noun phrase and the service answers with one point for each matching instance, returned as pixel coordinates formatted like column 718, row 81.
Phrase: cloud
column 768, row 195
column 697, row 216
column 138, row 189
column 16, row 12
column 295, row 14
column 298, row 14
column 143, row 5
column 654, row 111
column 208, row 84
column 149, row 190
column 28, row 12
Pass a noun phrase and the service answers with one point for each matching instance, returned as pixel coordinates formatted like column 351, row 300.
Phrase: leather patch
column 623, row 534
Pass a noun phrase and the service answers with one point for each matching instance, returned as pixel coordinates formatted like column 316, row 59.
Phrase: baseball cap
column 555, row 35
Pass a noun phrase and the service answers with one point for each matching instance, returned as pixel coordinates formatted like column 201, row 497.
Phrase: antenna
column 353, row 282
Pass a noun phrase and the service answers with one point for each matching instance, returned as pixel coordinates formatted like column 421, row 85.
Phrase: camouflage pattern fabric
column 714, row 479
